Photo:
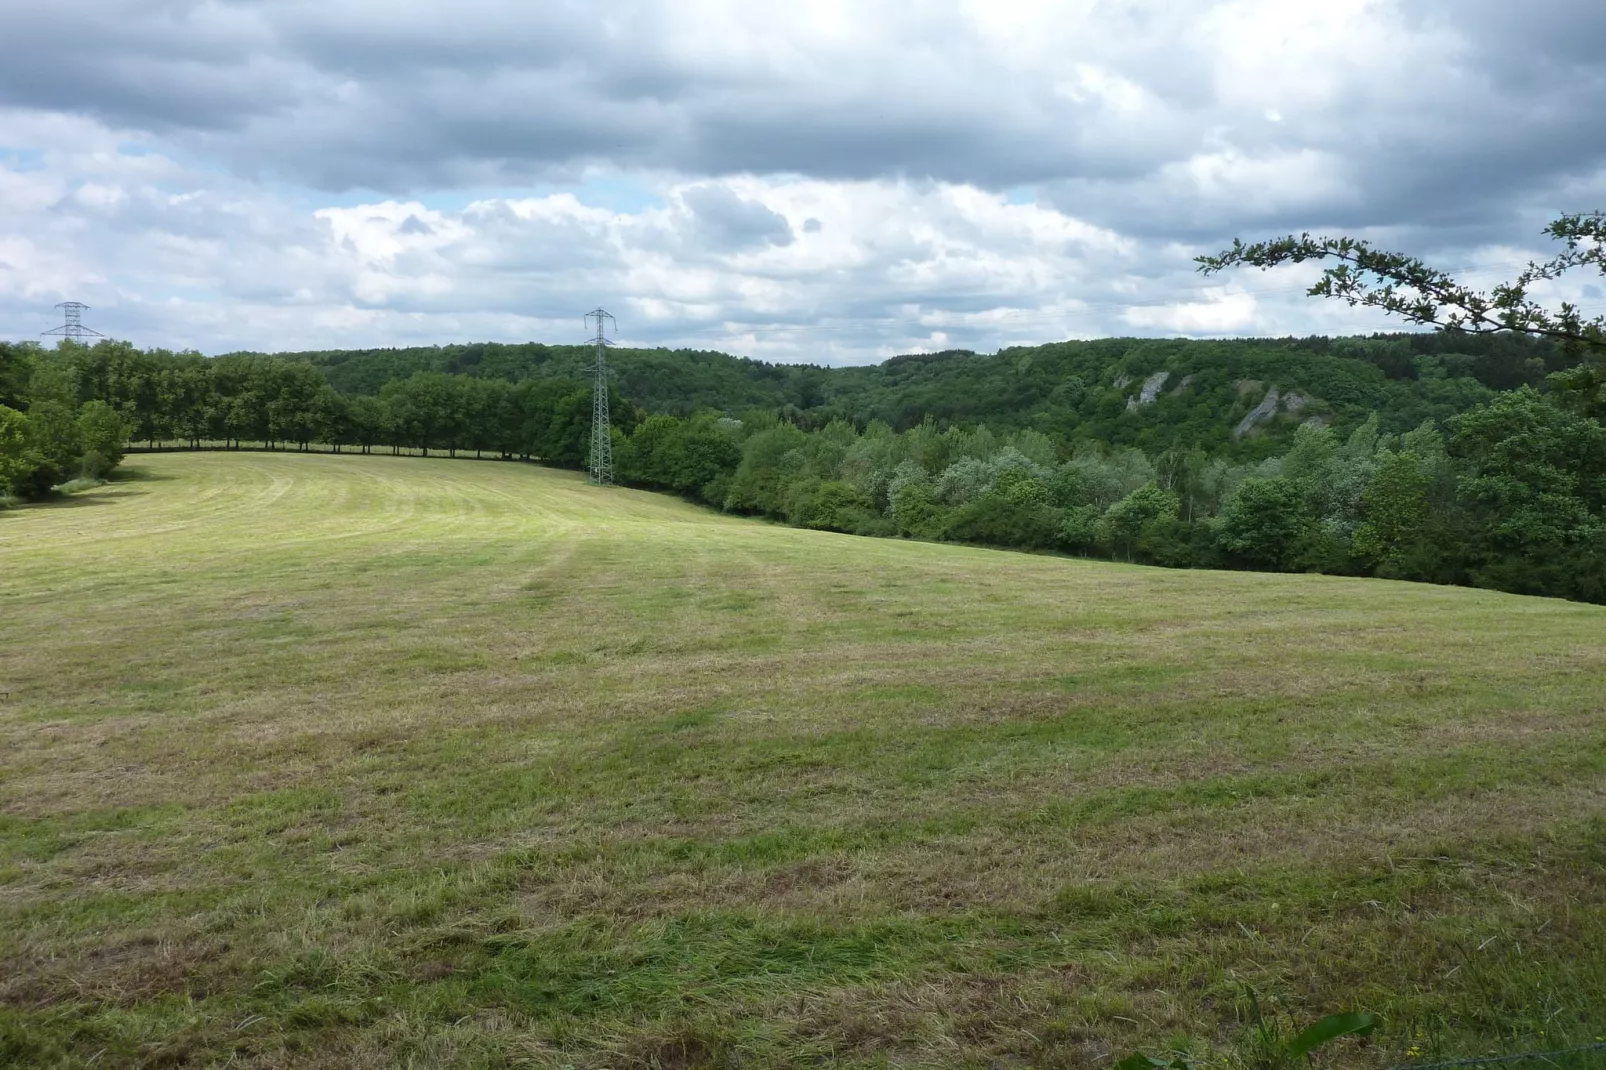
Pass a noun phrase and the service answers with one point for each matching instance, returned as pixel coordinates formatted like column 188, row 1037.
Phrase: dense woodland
column 1438, row 457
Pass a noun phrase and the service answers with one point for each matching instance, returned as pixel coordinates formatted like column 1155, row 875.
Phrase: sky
column 832, row 182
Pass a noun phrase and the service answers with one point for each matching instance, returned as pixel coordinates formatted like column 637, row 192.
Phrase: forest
column 1430, row 457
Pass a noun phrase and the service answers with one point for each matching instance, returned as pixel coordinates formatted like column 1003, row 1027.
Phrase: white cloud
column 891, row 266
column 1223, row 312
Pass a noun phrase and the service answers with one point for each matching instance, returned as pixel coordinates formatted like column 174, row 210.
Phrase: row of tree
column 283, row 403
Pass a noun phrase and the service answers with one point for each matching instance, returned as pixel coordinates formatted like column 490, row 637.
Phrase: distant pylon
column 600, row 462
column 73, row 328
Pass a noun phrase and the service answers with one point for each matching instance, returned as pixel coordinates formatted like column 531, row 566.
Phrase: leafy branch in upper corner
column 1405, row 286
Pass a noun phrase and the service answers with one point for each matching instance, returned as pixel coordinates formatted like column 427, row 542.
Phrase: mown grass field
column 369, row 761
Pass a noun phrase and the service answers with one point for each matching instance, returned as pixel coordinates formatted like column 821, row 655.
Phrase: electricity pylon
column 73, row 328
column 599, row 465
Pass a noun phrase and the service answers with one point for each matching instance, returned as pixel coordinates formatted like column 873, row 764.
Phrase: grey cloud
column 1496, row 102
column 734, row 223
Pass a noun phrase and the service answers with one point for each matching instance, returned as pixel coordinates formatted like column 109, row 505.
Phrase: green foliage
column 1536, row 472
column 1078, row 529
column 103, row 432
column 912, row 502
column 1125, row 524
column 1397, row 510
column 53, row 432
column 1265, row 523
column 1582, row 389
column 769, row 459
column 680, row 455
column 17, row 364
column 831, row 505
column 998, row 519
column 1062, row 392
column 15, row 461
column 1313, row 1036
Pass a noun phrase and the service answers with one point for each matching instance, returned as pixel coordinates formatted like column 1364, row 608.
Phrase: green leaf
column 1330, row 1028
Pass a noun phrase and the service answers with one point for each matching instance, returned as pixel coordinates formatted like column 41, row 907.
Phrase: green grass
column 371, row 761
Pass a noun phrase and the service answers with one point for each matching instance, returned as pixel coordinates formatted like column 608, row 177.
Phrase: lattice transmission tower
column 600, row 463
column 73, row 328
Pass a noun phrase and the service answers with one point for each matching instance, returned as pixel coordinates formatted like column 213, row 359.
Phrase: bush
column 1020, row 486
column 831, row 505
column 103, row 431
column 915, row 510
column 1577, row 572
column 95, row 465
column 15, row 461
column 1001, row 521
column 1077, row 530
column 1265, row 523
column 1124, row 524
column 1177, row 543
column 1068, row 487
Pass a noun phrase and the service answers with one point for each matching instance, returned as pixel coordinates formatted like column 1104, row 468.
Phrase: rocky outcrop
column 1259, row 414
column 1151, row 387
column 1274, row 402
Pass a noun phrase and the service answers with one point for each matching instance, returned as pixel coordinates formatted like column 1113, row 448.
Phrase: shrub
column 1264, row 523
column 1002, row 521
column 1077, row 530
column 1124, row 524
column 915, row 510
column 1177, row 543
column 104, row 431
column 95, row 465
column 830, row 505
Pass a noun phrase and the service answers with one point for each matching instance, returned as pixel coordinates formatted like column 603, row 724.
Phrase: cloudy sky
column 829, row 181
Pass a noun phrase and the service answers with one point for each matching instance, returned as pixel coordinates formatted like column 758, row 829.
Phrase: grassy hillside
column 349, row 761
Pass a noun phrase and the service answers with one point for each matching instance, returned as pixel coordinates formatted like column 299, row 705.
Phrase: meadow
column 343, row 761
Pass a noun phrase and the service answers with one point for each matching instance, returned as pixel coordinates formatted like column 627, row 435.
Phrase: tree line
column 1509, row 495
column 282, row 403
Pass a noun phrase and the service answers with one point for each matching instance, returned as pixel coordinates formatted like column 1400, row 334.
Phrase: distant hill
column 1245, row 395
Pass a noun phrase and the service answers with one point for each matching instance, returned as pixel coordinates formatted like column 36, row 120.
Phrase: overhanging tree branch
column 1404, row 286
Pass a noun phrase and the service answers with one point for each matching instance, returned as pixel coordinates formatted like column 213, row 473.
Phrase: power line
column 599, row 466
